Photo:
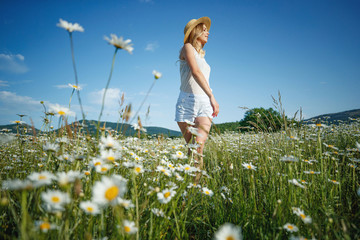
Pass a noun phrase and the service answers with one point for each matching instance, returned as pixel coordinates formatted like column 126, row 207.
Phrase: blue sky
column 307, row 50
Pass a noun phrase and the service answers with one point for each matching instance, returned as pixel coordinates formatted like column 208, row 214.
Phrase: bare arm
column 188, row 53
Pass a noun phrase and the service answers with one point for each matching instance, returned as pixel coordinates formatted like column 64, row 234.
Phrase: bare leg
column 203, row 124
column 185, row 132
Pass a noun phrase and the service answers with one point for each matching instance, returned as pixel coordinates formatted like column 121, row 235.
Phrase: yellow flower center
column 290, row 227
column 97, row 163
column 87, row 173
column 312, row 172
column 187, row 168
column 302, row 216
column 55, row 199
column 111, row 158
column 291, row 136
column 138, row 169
column 249, row 166
column 17, row 121
column 45, row 226
column 230, row 238
column 127, row 229
column 207, row 192
column 104, row 169
column 318, row 124
column 163, row 170
column 167, row 194
column 42, row 177
column 61, row 112
column 111, row 193
column 90, row 209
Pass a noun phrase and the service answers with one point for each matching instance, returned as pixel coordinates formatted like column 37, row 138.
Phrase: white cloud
column 151, row 46
column 13, row 63
column 12, row 104
column 113, row 96
column 4, row 83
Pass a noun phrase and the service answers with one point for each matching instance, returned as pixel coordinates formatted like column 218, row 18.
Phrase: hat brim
column 204, row 20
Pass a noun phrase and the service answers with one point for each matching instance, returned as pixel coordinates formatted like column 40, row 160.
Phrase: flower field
column 299, row 183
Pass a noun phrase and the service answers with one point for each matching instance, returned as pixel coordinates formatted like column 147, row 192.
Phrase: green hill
column 91, row 126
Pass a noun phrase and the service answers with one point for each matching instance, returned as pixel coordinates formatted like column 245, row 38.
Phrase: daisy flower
column 60, row 110
column 290, row 227
column 109, row 143
column 120, row 43
column 165, row 195
column 156, row 74
column 311, row 172
column 45, row 226
column 55, row 200
column 68, row 177
column 109, row 155
column 16, row 184
column 41, row 178
column 249, row 166
column 207, row 191
column 108, row 189
column 125, row 203
column 296, row 183
column 194, row 131
column 103, row 168
column 301, row 214
column 333, row 181
column 138, row 169
column 129, row 227
column 228, row 231
column 70, row 27
column 90, row 207
column 51, row 147
column 75, row 87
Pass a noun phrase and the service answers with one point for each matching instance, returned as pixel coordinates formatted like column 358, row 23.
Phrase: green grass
column 259, row 201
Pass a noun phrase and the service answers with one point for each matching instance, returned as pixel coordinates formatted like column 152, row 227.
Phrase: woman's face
column 204, row 36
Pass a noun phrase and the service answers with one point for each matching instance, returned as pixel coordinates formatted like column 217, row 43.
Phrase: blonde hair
column 194, row 35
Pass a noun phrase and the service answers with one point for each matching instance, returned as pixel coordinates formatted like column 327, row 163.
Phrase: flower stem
column 76, row 77
column 106, row 88
column 24, row 214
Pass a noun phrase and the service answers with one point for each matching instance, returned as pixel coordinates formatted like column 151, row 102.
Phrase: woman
column 196, row 103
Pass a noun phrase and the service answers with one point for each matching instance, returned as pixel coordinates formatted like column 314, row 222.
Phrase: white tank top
column 188, row 82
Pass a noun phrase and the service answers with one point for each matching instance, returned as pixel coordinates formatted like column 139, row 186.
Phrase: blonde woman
column 196, row 104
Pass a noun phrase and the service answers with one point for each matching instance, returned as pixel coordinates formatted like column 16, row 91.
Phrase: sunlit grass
column 158, row 197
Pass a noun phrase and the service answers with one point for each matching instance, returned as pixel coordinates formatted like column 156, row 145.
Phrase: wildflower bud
column 331, row 220
column 81, row 194
column 145, row 184
column 4, row 201
column 41, row 102
column 157, row 189
column 279, row 201
column 58, row 215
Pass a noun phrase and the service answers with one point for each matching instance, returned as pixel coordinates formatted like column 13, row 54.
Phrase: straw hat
column 193, row 23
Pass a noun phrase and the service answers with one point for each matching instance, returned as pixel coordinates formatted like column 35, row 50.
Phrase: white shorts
column 190, row 106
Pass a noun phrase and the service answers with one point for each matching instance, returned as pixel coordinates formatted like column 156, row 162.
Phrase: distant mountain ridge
column 342, row 116
column 91, row 125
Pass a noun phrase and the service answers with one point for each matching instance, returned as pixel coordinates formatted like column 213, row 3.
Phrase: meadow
column 301, row 182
